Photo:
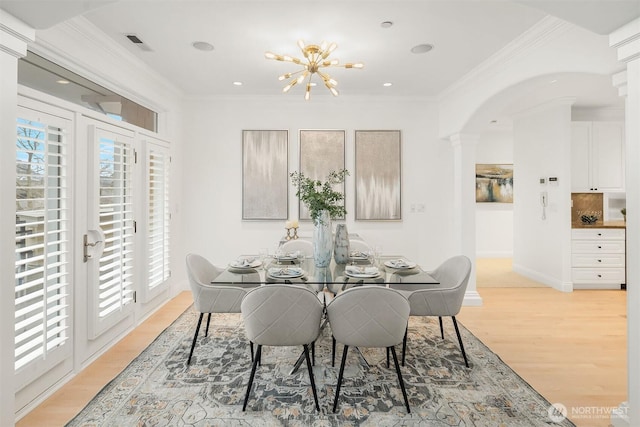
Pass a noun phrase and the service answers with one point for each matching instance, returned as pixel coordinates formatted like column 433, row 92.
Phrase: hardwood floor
column 571, row 347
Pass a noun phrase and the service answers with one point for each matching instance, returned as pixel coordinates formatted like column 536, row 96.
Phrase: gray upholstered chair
column 281, row 315
column 208, row 298
column 444, row 299
column 369, row 316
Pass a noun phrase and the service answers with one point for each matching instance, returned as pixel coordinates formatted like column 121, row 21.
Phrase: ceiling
column 464, row 33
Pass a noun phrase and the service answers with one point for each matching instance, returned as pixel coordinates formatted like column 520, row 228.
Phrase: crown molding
column 62, row 43
column 15, row 35
column 545, row 31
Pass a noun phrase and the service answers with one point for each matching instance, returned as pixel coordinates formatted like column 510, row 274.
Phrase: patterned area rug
column 159, row 389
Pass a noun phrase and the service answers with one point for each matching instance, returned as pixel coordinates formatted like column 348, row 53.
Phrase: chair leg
column 404, row 392
column 251, row 350
column 333, row 351
column 313, row 353
column 344, row 360
column 387, row 357
column 404, row 346
column 195, row 337
column 313, row 383
column 441, row 328
column 206, row 331
column 253, row 373
column 464, row 355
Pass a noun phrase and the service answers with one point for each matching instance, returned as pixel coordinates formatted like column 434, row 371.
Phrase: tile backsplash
column 588, row 205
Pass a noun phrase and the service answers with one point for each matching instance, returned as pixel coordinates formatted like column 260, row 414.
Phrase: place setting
column 285, row 273
column 243, row 264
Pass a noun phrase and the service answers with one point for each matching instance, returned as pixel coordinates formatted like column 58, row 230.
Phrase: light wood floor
column 571, row 347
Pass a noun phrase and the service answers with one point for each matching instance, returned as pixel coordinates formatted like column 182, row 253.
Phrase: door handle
column 86, row 244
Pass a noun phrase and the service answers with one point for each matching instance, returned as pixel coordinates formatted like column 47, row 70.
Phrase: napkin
column 358, row 254
column 355, row 269
column 399, row 263
column 288, row 271
column 244, row 262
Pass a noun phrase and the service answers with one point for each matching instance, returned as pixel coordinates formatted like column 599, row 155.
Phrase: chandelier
column 315, row 59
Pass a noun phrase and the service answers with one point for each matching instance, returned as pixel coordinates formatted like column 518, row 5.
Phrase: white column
column 627, row 42
column 464, row 205
column 14, row 36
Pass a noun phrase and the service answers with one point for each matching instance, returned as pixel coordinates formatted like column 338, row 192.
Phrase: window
column 42, row 270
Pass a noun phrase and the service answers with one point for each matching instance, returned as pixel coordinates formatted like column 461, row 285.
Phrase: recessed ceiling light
column 554, row 81
column 202, row 46
column 237, row 83
column 387, row 84
column 386, row 24
column 422, row 48
column 63, row 82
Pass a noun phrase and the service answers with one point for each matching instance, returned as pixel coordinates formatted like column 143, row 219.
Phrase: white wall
column 542, row 149
column 212, row 197
column 494, row 221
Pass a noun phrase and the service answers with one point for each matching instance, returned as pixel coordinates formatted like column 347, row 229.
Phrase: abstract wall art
column 265, row 174
column 378, row 175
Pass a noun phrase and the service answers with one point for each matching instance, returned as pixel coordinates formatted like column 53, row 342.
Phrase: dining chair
column 207, row 297
column 444, row 299
column 369, row 316
column 298, row 245
column 281, row 315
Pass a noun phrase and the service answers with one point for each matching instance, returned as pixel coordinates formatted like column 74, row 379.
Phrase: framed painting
column 378, row 175
column 265, row 174
column 321, row 151
column 494, row 183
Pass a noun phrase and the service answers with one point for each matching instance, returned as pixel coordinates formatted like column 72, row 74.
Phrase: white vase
column 341, row 244
column 322, row 240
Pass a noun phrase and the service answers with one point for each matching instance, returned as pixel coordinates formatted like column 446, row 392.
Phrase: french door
column 109, row 245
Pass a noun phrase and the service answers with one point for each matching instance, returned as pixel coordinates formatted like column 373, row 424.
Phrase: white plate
column 362, row 275
column 285, row 273
column 362, row 272
column 287, row 257
column 404, row 264
column 239, row 264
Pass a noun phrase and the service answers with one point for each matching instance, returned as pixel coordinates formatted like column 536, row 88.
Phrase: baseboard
column 472, row 298
column 543, row 278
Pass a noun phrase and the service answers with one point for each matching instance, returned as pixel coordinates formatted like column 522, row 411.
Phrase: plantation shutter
column 158, row 217
column 42, row 254
column 112, row 217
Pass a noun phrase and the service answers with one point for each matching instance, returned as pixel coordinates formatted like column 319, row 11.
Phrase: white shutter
column 158, row 216
column 111, row 195
column 42, row 270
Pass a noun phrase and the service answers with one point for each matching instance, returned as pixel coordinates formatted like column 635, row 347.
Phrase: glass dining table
column 251, row 271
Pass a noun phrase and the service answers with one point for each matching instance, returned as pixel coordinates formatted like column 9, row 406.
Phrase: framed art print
column 378, row 172
column 265, row 174
column 321, row 151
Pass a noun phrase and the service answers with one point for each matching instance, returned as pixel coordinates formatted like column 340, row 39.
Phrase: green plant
column 320, row 196
column 623, row 211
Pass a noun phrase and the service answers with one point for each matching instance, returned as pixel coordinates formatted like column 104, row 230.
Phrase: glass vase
column 341, row 244
column 322, row 240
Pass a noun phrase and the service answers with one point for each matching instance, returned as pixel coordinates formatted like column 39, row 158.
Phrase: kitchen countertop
column 606, row 224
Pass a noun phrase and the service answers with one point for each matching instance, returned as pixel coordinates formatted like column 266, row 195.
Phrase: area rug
column 159, row 389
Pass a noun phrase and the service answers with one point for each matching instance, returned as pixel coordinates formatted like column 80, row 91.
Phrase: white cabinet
column 598, row 258
column 597, row 156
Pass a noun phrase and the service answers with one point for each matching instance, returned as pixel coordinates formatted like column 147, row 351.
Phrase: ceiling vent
column 138, row 42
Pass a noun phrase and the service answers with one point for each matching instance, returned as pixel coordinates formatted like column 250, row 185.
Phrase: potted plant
column 324, row 203
column 623, row 211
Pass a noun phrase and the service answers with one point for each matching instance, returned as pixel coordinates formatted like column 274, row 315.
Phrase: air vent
column 138, row 42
